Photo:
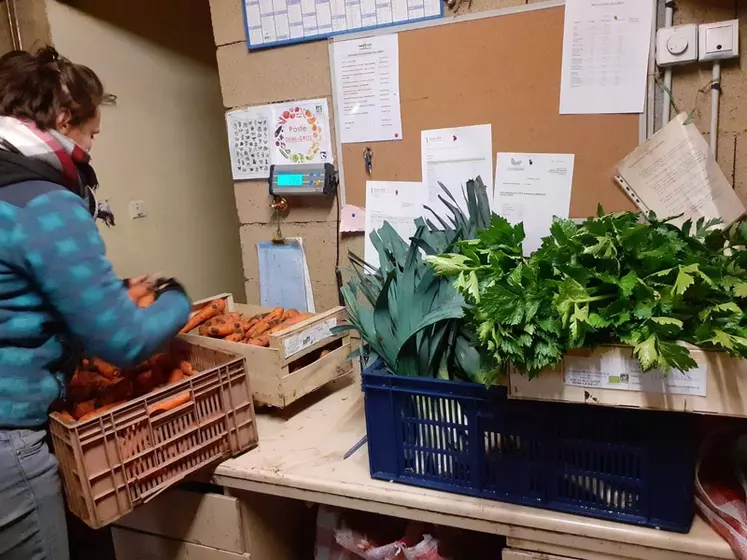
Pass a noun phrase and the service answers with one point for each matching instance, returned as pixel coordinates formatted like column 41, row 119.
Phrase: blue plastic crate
column 632, row 466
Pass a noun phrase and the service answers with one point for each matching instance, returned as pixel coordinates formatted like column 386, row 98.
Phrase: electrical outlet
column 137, row 209
column 677, row 45
column 718, row 40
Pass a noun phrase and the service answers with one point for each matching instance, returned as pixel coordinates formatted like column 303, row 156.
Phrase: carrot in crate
column 263, row 340
column 234, row 337
column 175, row 376
column 104, row 368
column 187, row 368
column 211, row 310
column 82, row 408
column 170, row 404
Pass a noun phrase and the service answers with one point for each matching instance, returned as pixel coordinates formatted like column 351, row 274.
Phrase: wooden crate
column 610, row 376
column 274, row 380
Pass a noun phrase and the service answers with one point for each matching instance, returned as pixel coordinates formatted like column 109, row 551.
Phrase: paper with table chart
column 606, row 47
column 398, row 203
column 277, row 22
column 533, row 188
column 366, row 74
column 453, row 156
column 674, row 173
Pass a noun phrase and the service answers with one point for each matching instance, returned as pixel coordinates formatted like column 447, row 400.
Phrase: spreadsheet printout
column 277, row 22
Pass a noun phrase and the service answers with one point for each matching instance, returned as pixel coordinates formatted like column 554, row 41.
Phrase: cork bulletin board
column 505, row 71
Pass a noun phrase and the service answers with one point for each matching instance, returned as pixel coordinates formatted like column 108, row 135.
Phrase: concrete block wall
column 302, row 72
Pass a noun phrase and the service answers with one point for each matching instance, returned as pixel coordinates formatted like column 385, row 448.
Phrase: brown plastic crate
column 114, row 462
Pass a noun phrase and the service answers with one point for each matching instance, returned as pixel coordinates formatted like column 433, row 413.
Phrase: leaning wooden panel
column 299, row 360
column 718, row 386
column 503, row 71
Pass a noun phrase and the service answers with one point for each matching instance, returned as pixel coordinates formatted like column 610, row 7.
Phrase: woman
column 58, row 294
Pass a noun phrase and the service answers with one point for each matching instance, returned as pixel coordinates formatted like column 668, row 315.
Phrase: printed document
column 606, row 47
column 533, row 189
column 398, row 203
column 366, row 75
column 453, row 156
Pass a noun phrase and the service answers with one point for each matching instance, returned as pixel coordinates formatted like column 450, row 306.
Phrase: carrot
column 289, row 314
column 176, row 376
column 122, row 390
column 146, row 301
column 274, row 315
column 219, row 331
column 145, row 382
column 263, row 340
column 289, row 323
column 324, row 353
column 187, row 368
column 234, row 337
column 170, row 404
column 260, row 328
column 214, row 308
column 105, row 369
column 82, row 408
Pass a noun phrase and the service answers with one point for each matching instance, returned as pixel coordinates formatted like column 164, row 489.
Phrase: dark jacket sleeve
column 65, row 256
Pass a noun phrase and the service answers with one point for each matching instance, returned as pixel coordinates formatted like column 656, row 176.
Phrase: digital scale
column 303, row 179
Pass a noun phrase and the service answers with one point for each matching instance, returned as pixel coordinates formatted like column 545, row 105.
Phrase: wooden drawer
column 186, row 525
column 134, row 545
column 212, row 520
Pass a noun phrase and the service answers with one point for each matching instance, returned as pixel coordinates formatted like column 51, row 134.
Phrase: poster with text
column 301, row 132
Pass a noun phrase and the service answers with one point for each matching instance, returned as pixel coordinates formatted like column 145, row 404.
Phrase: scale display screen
column 287, row 180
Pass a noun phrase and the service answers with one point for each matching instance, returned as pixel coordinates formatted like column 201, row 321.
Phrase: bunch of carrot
column 97, row 386
column 213, row 321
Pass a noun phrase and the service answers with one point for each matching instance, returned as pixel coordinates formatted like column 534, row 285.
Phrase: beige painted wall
column 165, row 142
column 302, row 71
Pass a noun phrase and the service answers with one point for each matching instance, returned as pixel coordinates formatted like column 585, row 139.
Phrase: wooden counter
column 300, row 456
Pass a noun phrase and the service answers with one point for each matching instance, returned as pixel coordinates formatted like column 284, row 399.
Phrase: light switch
column 719, row 40
column 137, row 209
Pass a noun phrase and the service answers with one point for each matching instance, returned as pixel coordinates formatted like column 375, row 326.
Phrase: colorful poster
column 279, row 134
column 301, row 132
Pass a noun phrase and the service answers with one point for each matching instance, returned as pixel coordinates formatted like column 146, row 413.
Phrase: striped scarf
column 65, row 158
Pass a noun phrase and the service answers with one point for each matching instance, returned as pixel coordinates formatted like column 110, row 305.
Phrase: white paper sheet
column 605, row 56
column 674, row 173
column 533, row 188
column 398, row 203
column 453, row 156
column 367, row 89
column 249, row 142
column 281, row 133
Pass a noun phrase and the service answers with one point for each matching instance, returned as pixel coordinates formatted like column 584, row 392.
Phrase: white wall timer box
column 677, row 45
